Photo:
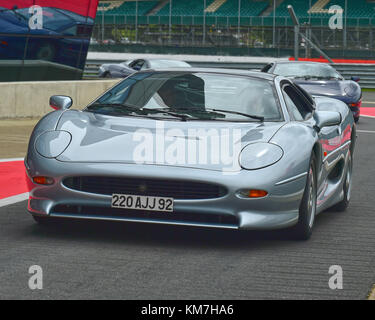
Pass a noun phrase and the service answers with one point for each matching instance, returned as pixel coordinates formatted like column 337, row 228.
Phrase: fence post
column 136, row 21
column 102, row 26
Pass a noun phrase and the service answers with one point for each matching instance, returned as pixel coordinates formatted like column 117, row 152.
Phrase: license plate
column 145, row 203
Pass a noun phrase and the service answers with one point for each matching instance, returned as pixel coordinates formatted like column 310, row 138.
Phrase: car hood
column 106, row 139
column 347, row 91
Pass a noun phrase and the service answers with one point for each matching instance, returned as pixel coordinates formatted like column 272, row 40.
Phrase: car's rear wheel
column 107, row 75
column 356, row 119
column 307, row 209
column 347, row 188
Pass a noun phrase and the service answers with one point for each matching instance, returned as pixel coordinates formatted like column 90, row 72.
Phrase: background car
column 124, row 69
column 321, row 79
column 64, row 38
column 291, row 156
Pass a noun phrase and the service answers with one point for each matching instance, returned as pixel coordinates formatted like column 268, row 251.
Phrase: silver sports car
column 197, row 147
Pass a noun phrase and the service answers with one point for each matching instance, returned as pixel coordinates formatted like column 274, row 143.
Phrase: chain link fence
column 356, row 40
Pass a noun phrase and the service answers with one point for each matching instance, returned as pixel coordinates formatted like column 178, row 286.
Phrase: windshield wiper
column 143, row 111
column 260, row 118
column 182, row 116
column 216, row 112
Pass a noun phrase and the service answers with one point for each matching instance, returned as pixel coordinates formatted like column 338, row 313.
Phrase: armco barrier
column 31, row 99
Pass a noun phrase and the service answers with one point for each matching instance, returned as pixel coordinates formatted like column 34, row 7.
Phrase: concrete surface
column 368, row 99
column 31, row 99
column 14, row 137
column 82, row 260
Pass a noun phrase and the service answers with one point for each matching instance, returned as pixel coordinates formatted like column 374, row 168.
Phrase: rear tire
column 347, row 188
column 307, row 209
column 356, row 119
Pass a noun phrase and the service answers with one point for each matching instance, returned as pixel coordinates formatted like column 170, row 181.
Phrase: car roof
column 154, row 59
column 255, row 74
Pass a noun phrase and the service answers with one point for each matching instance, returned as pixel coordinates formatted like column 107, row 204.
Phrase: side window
column 296, row 104
column 267, row 67
column 138, row 65
column 144, row 66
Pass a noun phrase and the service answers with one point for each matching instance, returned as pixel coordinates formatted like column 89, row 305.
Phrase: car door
column 301, row 109
column 120, row 71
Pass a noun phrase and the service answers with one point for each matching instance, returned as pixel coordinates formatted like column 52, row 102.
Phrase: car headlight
column 51, row 144
column 260, row 155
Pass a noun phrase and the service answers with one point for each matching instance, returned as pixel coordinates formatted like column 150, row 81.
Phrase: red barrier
column 82, row 7
column 12, row 179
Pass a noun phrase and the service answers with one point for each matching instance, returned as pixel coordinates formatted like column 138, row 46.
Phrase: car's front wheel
column 307, row 209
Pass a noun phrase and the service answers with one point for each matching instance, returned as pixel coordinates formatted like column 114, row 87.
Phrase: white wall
column 31, row 99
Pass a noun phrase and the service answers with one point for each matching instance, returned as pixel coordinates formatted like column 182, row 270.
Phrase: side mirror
column 60, row 102
column 355, row 78
column 326, row 119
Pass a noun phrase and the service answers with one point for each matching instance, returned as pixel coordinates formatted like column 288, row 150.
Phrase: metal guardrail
column 366, row 72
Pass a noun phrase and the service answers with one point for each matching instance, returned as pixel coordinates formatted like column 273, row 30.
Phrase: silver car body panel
column 101, row 146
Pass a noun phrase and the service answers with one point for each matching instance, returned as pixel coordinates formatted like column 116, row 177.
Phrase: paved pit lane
column 86, row 260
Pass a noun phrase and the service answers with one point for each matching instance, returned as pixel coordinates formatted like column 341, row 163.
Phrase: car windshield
column 193, row 95
column 307, row 71
column 159, row 64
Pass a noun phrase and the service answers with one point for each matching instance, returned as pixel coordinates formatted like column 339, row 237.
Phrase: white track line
column 12, row 159
column 365, row 131
column 14, row 199
column 363, row 115
column 369, row 102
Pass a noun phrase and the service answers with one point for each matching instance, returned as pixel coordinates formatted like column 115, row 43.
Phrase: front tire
column 307, row 209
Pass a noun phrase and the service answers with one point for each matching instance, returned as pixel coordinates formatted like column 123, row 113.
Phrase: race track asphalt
column 87, row 260
column 368, row 99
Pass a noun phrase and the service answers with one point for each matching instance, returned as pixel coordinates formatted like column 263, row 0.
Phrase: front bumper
column 279, row 209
